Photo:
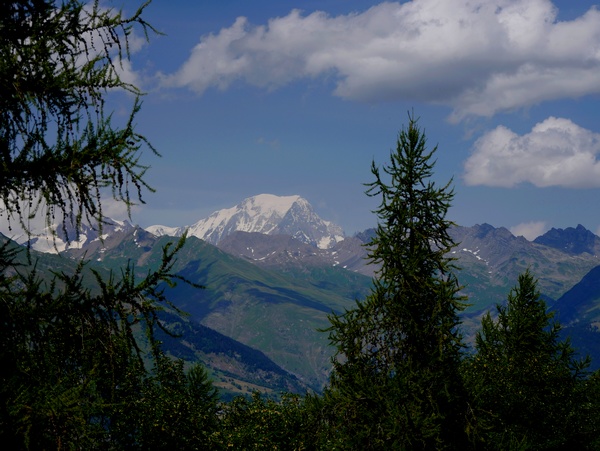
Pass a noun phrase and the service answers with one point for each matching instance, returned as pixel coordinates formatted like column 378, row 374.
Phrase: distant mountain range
column 274, row 270
column 275, row 312
column 492, row 259
column 64, row 236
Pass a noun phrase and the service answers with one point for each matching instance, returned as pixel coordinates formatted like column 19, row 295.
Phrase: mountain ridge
column 574, row 240
column 272, row 292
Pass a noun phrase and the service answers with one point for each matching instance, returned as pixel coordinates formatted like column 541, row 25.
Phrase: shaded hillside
column 579, row 311
column 235, row 368
column 582, row 302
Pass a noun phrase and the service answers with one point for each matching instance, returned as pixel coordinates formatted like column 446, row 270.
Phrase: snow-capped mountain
column 65, row 236
column 267, row 214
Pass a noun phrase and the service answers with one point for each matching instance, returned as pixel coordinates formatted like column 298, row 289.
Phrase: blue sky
column 298, row 97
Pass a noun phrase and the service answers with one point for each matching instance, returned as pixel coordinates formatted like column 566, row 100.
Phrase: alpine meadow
column 144, row 342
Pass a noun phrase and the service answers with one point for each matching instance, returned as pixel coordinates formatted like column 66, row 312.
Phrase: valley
column 267, row 297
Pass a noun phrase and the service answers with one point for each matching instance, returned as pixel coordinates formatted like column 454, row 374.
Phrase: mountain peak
column 267, row 214
column 572, row 240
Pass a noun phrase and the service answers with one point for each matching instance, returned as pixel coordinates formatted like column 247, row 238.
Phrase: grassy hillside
column 277, row 313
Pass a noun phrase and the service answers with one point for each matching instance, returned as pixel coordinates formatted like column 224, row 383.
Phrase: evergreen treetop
column 527, row 384
column 398, row 351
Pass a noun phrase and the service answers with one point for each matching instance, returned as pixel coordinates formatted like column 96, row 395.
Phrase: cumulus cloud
column 556, row 152
column 477, row 56
column 529, row 230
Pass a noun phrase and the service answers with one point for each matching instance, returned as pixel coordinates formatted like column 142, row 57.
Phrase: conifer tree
column 59, row 145
column 395, row 382
column 72, row 367
column 528, row 386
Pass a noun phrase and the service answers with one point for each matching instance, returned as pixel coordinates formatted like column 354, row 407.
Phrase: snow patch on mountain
column 475, row 253
column 267, row 214
column 260, row 214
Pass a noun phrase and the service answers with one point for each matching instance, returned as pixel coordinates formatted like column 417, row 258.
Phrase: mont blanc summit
column 267, row 214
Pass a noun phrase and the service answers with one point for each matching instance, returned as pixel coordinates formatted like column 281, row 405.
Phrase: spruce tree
column 528, row 387
column 395, row 382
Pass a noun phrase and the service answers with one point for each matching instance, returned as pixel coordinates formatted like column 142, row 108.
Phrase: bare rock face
column 495, row 246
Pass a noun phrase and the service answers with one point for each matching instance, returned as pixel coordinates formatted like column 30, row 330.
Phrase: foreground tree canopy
column 80, row 367
column 529, row 387
column 59, row 148
column 73, row 370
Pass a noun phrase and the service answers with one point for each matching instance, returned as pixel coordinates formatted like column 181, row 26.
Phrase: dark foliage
column 529, row 390
column 75, row 369
column 59, row 148
column 396, row 382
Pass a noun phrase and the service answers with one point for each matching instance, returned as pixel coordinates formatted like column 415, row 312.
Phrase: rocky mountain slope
column 284, row 252
column 63, row 236
column 492, row 258
column 285, row 233
column 574, row 241
column 489, row 259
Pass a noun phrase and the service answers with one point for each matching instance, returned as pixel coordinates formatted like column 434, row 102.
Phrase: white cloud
column 556, row 152
column 126, row 72
column 116, row 209
column 529, row 230
column 477, row 56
